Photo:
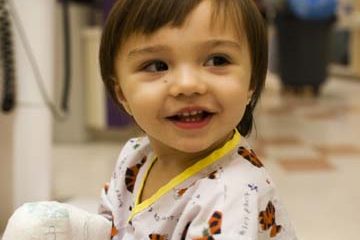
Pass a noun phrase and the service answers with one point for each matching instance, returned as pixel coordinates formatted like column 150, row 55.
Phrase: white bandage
column 55, row 221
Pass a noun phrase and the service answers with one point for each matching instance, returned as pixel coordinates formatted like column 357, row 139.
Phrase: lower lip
column 193, row 125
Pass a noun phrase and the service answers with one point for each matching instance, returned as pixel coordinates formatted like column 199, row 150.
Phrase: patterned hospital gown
column 227, row 195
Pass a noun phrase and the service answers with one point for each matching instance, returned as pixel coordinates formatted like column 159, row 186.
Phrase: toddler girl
column 190, row 73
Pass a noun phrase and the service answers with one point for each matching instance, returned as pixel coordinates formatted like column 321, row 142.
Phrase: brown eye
column 156, row 66
column 217, row 61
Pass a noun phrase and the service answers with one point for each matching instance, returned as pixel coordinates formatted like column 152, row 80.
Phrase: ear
column 121, row 98
column 249, row 96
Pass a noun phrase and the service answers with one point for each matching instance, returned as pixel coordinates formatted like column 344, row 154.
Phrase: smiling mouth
column 195, row 116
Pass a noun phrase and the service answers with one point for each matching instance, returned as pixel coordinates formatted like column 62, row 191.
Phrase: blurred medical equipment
column 26, row 132
column 7, row 58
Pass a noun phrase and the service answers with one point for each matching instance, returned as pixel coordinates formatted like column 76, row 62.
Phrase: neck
column 170, row 158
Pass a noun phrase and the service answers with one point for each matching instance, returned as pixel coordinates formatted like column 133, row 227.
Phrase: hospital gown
column 226, row 195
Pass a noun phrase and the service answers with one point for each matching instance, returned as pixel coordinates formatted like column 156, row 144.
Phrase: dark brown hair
column 147, row 16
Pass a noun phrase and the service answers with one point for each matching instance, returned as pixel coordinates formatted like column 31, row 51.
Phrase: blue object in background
column 313, row 9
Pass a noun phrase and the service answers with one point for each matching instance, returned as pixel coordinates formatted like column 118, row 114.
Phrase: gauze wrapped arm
column 54, row 220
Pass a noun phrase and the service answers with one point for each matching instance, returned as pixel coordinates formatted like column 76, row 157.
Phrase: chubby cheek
column 233, row 115
column 145, row 108
column 141, row 110
column 235, row 100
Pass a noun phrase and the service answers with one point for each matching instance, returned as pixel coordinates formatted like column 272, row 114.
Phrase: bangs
column 146, row 17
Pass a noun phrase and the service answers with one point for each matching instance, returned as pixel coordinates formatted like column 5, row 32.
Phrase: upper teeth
column 192, row 113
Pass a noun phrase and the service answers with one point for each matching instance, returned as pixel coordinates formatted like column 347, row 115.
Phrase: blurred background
column 60, row 134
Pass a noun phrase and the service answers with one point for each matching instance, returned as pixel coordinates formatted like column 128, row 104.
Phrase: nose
column 187, row 81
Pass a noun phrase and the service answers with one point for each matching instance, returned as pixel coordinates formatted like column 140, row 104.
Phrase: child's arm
column 53, row 220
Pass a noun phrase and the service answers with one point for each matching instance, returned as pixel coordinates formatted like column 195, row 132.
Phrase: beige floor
column 311, row 147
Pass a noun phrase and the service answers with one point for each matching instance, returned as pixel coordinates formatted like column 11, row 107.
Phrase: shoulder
column 134, row 150
column 238, row 180
column 245, row 169
column 242, row 195
column 239, row 175
column 134, row 154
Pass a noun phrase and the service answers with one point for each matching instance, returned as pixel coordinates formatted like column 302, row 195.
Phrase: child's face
column 186, row 87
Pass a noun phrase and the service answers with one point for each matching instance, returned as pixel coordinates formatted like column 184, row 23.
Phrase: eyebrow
column 163, row 48
column 222, row 42
column 148, row 50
